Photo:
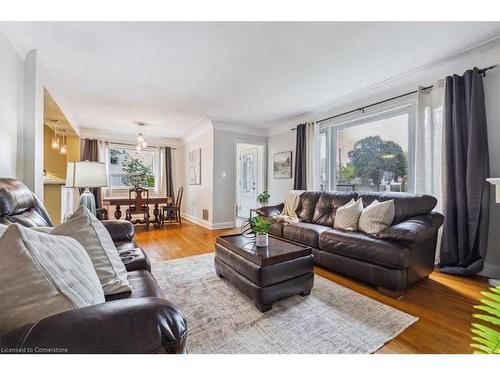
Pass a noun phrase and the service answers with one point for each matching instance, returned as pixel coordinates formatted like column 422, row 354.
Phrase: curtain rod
column 127, row 144
column 481, row 71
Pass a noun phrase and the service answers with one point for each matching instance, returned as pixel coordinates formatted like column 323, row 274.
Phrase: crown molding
column 238, row 127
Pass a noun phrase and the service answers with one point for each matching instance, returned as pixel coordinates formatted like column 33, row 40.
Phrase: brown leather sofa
column 392, row 260
column 141, row 321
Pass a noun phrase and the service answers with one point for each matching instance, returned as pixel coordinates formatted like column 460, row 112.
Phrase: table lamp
column 86, row 174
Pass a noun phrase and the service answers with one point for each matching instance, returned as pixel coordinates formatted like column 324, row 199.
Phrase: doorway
column 250, row 177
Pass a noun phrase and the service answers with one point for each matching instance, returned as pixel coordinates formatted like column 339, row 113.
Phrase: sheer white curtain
column 312, row 156
column 161, row 186
column 429, row 142
column 429, row 147
column 104, row 158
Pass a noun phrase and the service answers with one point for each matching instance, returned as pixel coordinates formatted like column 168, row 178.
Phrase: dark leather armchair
column 141, row 321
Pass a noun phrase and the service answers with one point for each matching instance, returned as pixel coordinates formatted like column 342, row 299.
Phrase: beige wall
column 55, row 165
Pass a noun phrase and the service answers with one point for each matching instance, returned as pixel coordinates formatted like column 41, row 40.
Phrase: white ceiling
column 171, row 74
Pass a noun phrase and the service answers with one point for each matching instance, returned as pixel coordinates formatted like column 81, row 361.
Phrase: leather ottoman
column 265, row 274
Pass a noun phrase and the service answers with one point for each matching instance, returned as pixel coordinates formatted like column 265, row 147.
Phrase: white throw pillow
column 347, row 216
column 84, row 227
column 377, row 216
column 42, row 275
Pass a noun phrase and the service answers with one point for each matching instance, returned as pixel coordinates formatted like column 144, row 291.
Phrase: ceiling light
column 54, row 141
column 63, row 150
column 141, row 140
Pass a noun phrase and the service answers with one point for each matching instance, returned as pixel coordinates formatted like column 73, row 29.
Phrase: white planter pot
column 262, row 240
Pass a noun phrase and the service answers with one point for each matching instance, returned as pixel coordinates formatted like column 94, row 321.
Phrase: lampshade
column 86, row 174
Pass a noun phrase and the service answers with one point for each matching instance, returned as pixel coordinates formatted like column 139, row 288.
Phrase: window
column 372, row 155
column 140, row 165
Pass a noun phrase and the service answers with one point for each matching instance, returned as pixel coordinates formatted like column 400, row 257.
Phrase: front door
column 248, row 175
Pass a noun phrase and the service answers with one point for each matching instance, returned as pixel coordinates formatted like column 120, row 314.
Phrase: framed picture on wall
column 195, row 167
column 282, row 165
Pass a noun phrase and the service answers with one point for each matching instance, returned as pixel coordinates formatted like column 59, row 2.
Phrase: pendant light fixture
column 54, row 141
column 141, row 140
column 64, row 148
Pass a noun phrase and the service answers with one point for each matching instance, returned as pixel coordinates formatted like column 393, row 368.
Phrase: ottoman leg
column 306, row 293
column 264, row 308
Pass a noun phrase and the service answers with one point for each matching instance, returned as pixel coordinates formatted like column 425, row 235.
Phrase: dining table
column 119, row 201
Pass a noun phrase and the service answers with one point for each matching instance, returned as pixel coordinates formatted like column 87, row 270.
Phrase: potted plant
column 486, row 334
column 263, row 198
column 137, row 173
column 260, row 227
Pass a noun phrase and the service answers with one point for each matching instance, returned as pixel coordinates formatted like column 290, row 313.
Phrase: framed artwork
column 282, row 165
column 195, row 167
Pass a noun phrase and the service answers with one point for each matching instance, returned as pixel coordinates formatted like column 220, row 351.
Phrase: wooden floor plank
column 443, row 303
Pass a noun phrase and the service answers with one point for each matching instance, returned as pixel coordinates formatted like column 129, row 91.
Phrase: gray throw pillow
column 42, row 275
column 84, row 227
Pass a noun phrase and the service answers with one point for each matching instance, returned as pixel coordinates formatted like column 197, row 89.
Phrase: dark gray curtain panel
column 90, row 152
column 300, row 179
column 466, row 159
column 169, row 173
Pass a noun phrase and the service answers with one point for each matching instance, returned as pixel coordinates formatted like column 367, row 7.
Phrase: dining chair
column 138, row 199
column 172, row 213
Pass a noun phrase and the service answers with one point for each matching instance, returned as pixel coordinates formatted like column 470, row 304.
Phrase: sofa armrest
column 415, row 229
column 271, row 210
column 120, row 230
column 132, row 325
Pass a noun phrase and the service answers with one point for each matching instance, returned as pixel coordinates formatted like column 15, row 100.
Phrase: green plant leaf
column 483, row 348
column 486, row 333
column 490, row 344
column 487, row 318
column 494, row 297
column 490, row 310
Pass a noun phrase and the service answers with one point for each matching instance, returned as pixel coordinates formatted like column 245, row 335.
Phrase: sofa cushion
column 304, row 233
column 307, row 205
column 406, row 205
column 364, row 247
column 143, row 284
column 276, row 229
column 327, row 205
column 42, row 275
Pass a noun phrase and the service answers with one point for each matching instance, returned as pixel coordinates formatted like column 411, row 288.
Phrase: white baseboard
column 491, row 270
column 206, row 224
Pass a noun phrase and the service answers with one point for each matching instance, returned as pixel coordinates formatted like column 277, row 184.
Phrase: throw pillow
column 347, row 216
column 42, row 275
column 377, row 216
column 84, row 227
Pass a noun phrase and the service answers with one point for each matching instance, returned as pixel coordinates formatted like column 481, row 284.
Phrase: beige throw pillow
column 84, row 227
column 347, row 216
column 377, row 216
column 42, row 275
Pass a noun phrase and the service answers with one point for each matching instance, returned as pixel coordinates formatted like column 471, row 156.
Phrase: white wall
column 488, row 54
column 199, row 197
column 281, row 142
column 225, row 172
column 11, row 110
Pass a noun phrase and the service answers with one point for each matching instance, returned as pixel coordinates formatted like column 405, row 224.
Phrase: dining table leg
column 156, row 213
column 118, row 213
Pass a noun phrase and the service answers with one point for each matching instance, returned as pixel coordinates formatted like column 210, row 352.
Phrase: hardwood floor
column 443, row 302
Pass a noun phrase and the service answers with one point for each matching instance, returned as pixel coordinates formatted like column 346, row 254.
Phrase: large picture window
column 124, row 159
column 373, row 154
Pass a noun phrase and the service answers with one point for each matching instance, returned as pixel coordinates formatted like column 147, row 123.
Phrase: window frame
column 155, row 167
column 332, row 128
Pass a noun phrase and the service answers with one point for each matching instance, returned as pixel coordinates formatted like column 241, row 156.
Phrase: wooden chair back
column 178, row 201
column 138, row 199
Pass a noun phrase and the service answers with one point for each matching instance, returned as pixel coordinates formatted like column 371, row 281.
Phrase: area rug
column 332, row 319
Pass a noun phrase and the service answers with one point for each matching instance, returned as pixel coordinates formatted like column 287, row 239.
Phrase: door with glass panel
column 248, row 181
